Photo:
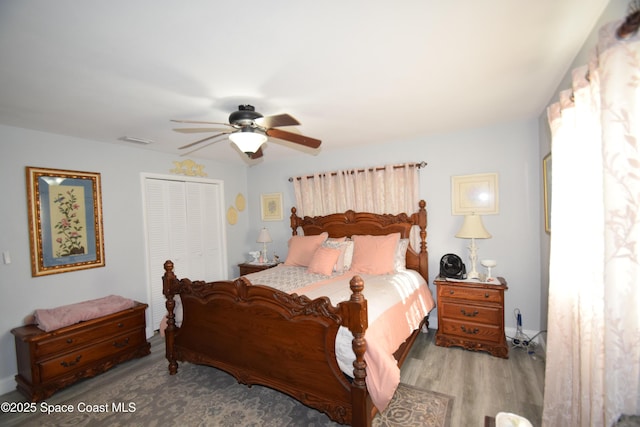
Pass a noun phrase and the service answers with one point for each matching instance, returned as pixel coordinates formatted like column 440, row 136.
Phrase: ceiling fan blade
column 277, row 120
column 200, row 123
column 294, row 137
column 199, row 148
column 257, row 154
column 202, row 140
column 197, row 130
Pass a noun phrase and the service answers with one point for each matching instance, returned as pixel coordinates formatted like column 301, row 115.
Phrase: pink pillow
column 374, row 254
column 302, row 248
column 343, row 246
column 324, row 260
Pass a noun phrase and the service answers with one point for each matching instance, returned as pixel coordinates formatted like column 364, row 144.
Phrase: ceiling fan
column 249, row 130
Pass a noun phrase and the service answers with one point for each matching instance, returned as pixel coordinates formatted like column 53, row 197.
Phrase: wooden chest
column 49, row 361
column 471, row 315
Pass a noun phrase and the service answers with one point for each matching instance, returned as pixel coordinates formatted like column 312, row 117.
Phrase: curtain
column 383, row 190
column 593, row 342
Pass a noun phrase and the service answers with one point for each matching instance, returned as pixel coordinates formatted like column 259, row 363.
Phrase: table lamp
column 264, row 237
column 472, row 228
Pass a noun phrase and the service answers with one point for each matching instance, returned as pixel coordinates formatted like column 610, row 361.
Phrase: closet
column 184, row 222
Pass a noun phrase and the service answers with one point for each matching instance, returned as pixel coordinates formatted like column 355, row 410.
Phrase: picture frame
column 546, row 177
column 477, row 193
column 271, row 206
column 65, row 220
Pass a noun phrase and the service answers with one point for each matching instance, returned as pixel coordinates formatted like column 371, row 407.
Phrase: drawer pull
column 464, row 313
column 120, row 325
column 72, row 363
column 69, row 340
column 486, row 295
column 122, row 343
column 451, row 292
column 470, row 331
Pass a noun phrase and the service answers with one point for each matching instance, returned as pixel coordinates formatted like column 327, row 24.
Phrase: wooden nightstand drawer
column 472, row 294
column 474, row 331
column 474, row 313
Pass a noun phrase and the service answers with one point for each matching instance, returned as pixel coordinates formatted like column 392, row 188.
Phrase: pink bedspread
column 66, row 315
column 397, row 303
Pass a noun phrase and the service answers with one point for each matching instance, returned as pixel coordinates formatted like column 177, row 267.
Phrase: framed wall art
column 546, row 176
column 474, row 194
column 271, row 206
column 65, row 220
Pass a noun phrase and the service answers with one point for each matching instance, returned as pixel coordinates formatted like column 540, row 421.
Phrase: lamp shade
column 264, row 236
column 247, row 140
column 472, row 228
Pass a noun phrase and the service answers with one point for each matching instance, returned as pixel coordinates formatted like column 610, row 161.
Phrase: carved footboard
column 264, row 336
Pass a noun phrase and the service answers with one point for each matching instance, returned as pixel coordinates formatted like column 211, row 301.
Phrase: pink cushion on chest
column 374, row 254
column 302, row 249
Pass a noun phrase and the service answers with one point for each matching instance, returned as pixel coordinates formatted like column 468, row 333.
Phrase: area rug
column 205, row 396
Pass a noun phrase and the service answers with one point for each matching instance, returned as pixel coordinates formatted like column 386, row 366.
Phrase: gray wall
column 125, row 273
column 510, row 149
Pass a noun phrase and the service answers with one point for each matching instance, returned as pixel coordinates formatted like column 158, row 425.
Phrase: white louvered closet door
column 184, row 224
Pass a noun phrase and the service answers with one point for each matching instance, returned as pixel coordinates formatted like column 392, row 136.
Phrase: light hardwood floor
column 480, row 383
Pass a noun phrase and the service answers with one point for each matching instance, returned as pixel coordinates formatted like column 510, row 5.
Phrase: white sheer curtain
column 389, row 189
column 593, row 347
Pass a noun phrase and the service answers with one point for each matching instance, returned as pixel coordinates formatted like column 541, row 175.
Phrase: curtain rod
column 414, row 165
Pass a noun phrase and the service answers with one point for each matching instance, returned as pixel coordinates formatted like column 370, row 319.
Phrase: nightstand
column 471, row 315
column 248, row 268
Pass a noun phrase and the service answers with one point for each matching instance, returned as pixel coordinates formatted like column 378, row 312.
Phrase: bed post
column 358, row 322
column 168, row 289
column 420, row 219
column 294, row 221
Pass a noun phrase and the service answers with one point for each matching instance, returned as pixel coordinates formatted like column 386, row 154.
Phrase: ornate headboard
column 352, row 223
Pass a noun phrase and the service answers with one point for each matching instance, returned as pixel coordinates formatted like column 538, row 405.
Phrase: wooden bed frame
column 285, row 341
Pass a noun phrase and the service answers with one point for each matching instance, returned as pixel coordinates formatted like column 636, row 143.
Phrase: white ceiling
column 352, row 72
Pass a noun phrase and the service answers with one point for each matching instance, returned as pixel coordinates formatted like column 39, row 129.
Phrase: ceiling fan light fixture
column 248, row 140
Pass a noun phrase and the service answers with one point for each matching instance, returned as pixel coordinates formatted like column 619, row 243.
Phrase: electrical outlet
column 6, row 256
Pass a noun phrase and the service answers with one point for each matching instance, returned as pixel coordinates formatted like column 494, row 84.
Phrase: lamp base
column 473, row 275
column 473, row 256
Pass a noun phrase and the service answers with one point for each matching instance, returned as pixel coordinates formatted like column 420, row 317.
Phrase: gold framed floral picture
column 65, row 220
column 271, row 206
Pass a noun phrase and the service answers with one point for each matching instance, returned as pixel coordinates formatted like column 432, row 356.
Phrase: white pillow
column 400, row 260
column 346, row 253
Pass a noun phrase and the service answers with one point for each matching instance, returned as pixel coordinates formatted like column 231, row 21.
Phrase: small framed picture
column 546, row 176
column 474, row 194
column 65, row 220
column 271, row 206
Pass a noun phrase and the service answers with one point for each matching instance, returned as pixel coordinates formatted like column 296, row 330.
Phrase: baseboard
column 7, row 385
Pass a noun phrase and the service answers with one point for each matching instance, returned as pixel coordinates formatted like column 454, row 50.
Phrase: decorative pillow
column 302, row 248
column 400, row 260
column 374, row 254
column 346, row 252
column 336, row 239
column 324, row 260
